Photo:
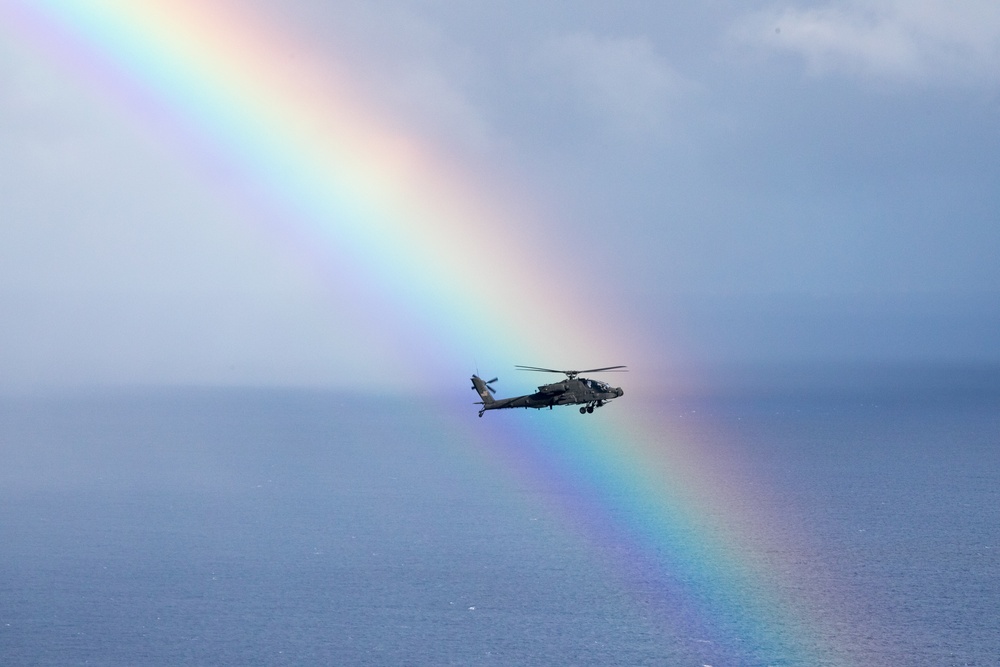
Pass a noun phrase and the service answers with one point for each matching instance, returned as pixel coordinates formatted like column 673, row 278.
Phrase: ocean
column 306, row 527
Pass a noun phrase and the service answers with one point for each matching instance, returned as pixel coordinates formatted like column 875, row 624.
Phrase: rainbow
column 285, row 134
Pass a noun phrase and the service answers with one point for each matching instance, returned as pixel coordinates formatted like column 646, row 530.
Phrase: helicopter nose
column 619, row 391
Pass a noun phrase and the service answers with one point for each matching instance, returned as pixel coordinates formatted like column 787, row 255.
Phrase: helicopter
column 588, row 394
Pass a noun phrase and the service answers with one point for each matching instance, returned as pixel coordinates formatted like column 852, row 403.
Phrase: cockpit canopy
column 597, row 385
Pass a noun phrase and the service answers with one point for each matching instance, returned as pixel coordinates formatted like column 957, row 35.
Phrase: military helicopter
column 589, row 394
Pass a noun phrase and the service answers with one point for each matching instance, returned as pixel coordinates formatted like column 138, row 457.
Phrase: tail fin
column 483, row 389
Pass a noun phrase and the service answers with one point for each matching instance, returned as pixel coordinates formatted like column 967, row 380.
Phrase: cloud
column 913, row 41
column 427, row 93
column 404, row 63
column 622, row 80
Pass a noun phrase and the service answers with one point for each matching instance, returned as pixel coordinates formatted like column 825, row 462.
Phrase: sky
column 736, row 182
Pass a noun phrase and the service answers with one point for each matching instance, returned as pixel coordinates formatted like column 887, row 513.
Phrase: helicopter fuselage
column 574, row 390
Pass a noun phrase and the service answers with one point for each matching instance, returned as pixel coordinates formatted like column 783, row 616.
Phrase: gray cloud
column 913, row 41
column 621, row 80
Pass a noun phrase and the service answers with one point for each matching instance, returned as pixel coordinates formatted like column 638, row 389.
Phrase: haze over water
column 239, row 527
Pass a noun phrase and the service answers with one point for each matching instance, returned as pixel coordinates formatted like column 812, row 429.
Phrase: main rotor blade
column 619, row 369
column 492, row 381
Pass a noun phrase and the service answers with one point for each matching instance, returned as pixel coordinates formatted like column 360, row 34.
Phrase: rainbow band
column 290, row 131
column 300, row 140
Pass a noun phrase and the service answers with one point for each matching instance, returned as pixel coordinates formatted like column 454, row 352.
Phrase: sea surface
column 300, row 527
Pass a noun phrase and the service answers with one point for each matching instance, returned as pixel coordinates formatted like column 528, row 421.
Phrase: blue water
column 269, row 527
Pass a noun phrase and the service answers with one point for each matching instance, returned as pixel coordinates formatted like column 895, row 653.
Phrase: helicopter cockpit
column 597, row 385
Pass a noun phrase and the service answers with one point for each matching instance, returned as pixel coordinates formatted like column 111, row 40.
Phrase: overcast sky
column 761, row 181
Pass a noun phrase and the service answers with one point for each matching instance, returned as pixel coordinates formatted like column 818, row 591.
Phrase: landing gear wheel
column 590, row 409
column 583, row 411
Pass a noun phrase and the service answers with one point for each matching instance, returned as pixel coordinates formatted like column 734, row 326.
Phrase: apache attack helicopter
column 589, row 394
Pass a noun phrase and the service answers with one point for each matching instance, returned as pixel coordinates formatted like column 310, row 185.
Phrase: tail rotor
column 484, row 388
